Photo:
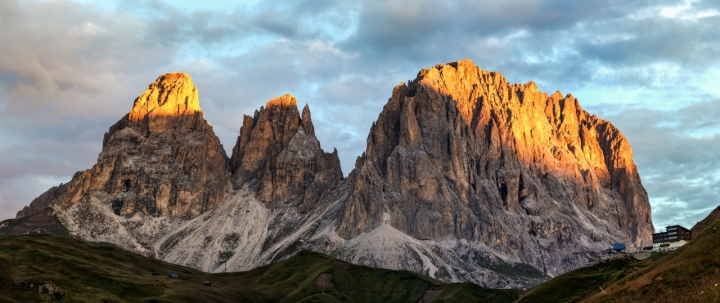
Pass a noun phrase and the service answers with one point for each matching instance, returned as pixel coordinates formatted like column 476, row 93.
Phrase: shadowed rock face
column 39, row 221
column 459, row 153
column 278, row 154
column 42, row 201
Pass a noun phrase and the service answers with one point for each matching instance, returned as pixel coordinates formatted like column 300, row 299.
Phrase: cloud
column 636, row 41
column 71, row 59
column 40, row 155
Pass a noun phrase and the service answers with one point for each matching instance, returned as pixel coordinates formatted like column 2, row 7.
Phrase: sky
column 71, row 69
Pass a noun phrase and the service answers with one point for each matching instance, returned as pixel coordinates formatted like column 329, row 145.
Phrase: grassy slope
column 91, row 273
column 688, row 274
column 582, row 283
column 466, row 292
column 709, row 219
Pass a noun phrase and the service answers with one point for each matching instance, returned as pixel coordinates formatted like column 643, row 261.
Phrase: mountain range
column 465, row 177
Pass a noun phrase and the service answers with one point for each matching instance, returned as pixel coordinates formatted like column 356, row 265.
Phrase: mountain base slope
column 689, row 274
column 51, row 268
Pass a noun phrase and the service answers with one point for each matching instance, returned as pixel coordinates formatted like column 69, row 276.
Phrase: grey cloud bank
column 68, row 70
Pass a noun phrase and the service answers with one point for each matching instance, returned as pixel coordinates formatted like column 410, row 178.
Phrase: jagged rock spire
column 307, row 121
column 277, row 152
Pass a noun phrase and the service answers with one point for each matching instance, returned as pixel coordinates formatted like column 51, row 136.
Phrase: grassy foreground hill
column 43, row 268
column 582, row 283
column 689, row 274
column 709, row 219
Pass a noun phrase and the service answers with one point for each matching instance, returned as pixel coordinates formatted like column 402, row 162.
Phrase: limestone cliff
column 459, row 153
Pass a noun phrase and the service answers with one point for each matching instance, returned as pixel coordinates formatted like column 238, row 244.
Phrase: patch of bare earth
column 324, row 282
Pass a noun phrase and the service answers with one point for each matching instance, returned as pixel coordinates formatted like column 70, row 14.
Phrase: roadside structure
column 673, row 237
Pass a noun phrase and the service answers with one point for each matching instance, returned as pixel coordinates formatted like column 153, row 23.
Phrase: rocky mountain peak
column 285, row 101
column 169, row 102
column 307, row 121
column 277, row 153
column 461, row 153
column 172, row 94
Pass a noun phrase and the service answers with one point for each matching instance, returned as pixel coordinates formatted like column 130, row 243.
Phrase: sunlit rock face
column 162, row 159
column 459, row 153
column 169, row 102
